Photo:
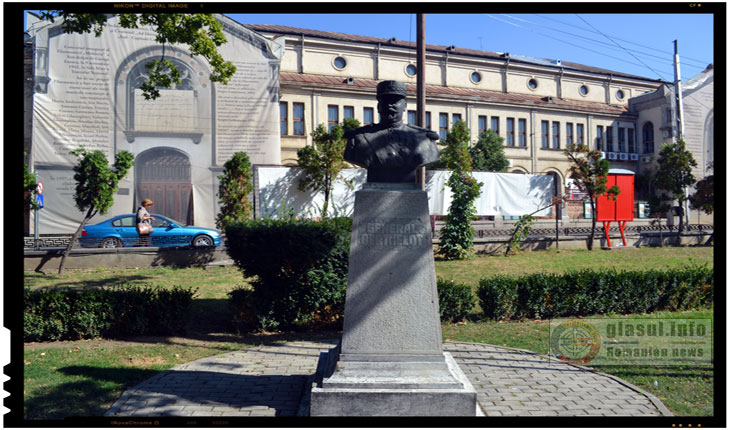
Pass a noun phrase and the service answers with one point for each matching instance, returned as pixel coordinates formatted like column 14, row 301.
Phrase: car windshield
column 160, row 221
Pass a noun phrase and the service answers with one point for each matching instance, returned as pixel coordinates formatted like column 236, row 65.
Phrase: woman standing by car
column 144, row 222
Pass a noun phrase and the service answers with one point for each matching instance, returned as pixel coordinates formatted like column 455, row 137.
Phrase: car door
column 166, row 234
column 126, row 227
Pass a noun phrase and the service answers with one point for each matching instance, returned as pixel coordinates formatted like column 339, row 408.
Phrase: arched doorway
column 163, row 175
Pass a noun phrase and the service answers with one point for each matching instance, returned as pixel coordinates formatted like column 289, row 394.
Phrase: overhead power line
column 704, row 63
column 572, row 44
column 663, row 59
column 607, row 37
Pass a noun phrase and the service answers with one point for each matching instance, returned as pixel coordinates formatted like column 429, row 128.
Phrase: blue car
column 122, row 231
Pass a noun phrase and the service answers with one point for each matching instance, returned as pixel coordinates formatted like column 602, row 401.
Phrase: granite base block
column 405, row 389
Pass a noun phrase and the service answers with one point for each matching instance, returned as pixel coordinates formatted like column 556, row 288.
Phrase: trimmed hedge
column 299, row 269
column 456, row 301
column 587, row 292
column 70, row 314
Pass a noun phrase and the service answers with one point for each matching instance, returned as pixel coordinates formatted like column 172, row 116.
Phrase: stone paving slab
column 274, row 380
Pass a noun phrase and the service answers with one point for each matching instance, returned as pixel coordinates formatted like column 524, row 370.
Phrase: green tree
column 675, row 174
column 199, row 31
column 322, row 162
column 704, row 196
column 233, row 190
column 96, row 185
column 487, row 154
column 589, row 171
column 29, row 186
column 457, row 235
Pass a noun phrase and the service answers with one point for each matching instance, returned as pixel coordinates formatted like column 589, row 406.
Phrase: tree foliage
column 199, row 31
column 704, row 196
column 322, row 162
column 96, row 185
column 675, row 174
column 588, row 171
column 457, row 235
column 233, row 190
column 487, row 154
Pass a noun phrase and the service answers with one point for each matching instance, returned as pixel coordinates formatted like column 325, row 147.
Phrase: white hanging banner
column 508, row 194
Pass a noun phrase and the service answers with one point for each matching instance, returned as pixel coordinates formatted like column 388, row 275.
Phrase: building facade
column 290, row 80
column 538, row 106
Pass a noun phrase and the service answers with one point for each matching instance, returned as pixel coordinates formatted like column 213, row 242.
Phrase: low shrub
column 456, row 301
column 299, row 272
column 587, row 292
column 69, row 314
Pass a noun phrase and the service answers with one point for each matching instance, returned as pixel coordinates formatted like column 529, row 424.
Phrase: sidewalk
column 272, row 380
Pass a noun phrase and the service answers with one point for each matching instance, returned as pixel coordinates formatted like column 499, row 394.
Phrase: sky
column 637, row 44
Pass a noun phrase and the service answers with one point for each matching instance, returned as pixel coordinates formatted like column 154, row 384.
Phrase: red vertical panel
column 625, row 202
column 605, row 207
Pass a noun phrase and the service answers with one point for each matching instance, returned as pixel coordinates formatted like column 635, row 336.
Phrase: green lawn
column 86, row 377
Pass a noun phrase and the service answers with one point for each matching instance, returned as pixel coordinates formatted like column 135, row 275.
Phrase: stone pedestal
column 391, row 360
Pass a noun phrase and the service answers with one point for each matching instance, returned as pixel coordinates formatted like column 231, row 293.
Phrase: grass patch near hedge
column 554, row 261
column 83, row 380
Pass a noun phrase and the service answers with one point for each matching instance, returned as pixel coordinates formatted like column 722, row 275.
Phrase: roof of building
column 332, row 82
column 285, row 30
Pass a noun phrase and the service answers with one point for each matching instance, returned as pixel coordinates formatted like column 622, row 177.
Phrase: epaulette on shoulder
column 364, row 129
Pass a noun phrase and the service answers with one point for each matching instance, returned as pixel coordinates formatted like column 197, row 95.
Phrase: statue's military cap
column 391, row 87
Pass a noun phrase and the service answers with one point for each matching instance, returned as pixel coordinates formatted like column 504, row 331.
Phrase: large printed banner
column 87, row 94
column 507, row 194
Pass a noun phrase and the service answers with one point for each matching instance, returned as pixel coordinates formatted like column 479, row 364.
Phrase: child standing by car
column 144, row 222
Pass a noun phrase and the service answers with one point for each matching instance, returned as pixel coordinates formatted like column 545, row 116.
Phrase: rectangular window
column 443, row 125
column 579, row 133
column 495, row 124
column 522, row 132
column 455, row 118
column 367, row 116
column 647, row 133
column 298, row 118
column 412, row 117
column 333, row 117
column 349, row 112
column 428, row 120
column 482, row 124
column 545, row 134
column 510, row 132
column 609, row 139
column 599, row 138
column 556, row 135
column 632, row 145
column 283, row 118
column 568, row 134
column 621, row 139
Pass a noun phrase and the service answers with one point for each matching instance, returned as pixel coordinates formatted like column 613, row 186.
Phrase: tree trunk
column 326, row 198
column 593, row 223
column 73, row 240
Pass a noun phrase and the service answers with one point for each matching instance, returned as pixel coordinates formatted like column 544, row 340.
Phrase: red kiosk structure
column 621, row 209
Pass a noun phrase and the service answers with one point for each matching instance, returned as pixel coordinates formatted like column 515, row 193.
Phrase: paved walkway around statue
column 271, row 380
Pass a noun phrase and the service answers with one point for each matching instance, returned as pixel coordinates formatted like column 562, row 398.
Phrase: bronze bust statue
column 391, row 150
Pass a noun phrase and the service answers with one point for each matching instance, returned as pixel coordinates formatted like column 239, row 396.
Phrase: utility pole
column 421, row 85
column 679, row 117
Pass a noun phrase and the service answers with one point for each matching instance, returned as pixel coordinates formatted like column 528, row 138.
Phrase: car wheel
column 110, row 242
column 203, row 240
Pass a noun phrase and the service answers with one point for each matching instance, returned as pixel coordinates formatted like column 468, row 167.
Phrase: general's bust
column 390, row 150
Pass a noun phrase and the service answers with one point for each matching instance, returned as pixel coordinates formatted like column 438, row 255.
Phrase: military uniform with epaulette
column 391, row 152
